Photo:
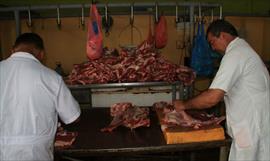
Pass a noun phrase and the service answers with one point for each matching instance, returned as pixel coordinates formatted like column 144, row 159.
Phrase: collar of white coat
column 231, row 44
column 26, row 55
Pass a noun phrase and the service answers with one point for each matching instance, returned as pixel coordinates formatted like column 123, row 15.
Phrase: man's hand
column 179, row 105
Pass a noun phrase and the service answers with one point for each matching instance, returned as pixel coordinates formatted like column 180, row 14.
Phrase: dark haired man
column 243, row 81
column 32, row 97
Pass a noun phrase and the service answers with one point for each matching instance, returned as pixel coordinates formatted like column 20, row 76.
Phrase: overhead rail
column 17, row 9
column 116, row 5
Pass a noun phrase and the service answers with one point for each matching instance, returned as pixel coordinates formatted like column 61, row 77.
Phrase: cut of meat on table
column 127, row 115
column 194, row 119
column 64, row 139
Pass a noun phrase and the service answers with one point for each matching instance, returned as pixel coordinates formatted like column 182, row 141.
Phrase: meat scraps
column 194, row 119
column 127, row 115
column 144, row 64
column 64, row 138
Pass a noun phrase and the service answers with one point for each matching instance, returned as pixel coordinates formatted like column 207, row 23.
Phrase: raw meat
column 194, row 119
column 138, row 67
column 63, row 138
column 127, row 115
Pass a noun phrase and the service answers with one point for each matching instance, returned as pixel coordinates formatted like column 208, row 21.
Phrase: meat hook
column 156, row 15
column 131, row 26
column 212, row 15
column 106, row 13
column 220, row 12
column 176, row 13
column 200, row 13
column 82, row 17
column 131, row 13
column 58, row 21
column 29, row 22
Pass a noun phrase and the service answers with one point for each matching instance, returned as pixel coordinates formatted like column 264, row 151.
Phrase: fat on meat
column 125, row 114
column 193, row 119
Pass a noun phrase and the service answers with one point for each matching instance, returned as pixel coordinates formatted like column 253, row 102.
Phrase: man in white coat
column 243, row 81
column 32, row 97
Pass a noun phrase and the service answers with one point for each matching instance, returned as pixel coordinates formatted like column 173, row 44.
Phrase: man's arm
column 204, row 100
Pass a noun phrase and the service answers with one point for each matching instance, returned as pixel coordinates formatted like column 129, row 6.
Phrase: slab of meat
column 63, row 138
column 194, row 119
column 127, row 115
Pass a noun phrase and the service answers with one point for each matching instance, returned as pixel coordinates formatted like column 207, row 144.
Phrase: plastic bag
column 94, row 45
column 201, row 60
column 161, row 34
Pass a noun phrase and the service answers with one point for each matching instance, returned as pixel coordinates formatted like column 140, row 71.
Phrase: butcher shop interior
column 154, row 80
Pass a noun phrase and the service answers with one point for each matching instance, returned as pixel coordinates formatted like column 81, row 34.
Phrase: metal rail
column 183, row 90
column 123, row 85
column 191, row 5
column 116, row 5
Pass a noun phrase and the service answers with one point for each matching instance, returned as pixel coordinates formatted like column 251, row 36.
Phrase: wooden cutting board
column 178, row 134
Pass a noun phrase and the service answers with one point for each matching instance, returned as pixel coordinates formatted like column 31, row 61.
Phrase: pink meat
column 143, row 64
column 195, row 119
column 127, row 115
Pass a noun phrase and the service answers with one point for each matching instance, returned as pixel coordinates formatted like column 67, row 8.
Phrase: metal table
column 83, row 93
column 122, row 141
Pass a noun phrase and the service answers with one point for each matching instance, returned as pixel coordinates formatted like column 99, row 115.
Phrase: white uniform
column 31, row 98
column 245, row 80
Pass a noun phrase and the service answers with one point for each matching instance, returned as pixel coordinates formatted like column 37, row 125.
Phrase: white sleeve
column 67, row 107
column 228, row 72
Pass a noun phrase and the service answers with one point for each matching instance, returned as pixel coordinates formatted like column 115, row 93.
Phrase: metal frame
column 184, row 91
column 191, row 5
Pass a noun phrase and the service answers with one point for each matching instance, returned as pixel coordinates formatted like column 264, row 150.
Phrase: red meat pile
column 139, row 66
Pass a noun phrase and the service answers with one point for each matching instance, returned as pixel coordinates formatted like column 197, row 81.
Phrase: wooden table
column 122, row 141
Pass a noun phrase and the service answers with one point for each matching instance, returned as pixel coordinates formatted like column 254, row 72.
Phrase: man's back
column 28, row 90
column 29, row 107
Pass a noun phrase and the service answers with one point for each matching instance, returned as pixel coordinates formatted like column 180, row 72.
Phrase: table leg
column 223, row 153
column 192, row 156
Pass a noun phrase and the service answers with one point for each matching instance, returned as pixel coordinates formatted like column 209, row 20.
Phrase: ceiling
column 230, row 7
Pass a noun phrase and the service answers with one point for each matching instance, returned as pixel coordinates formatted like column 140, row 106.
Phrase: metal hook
column 58, row 17
column 29, row 23
column 212, row 15
column 156, row 9
column 82, row 18
column 131, row 13
column 220, row 12
column 106, row 13
column 200, row 13
column 176, row 13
